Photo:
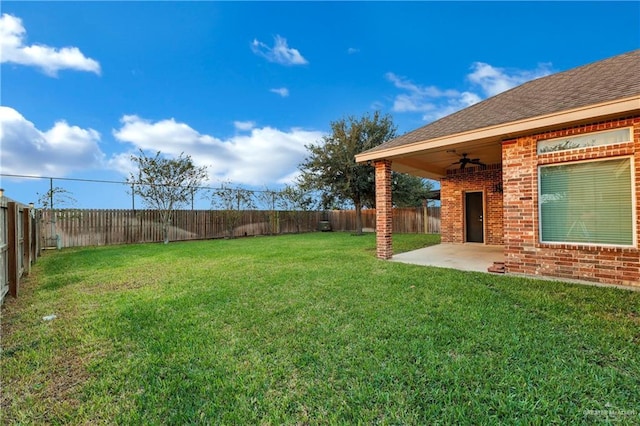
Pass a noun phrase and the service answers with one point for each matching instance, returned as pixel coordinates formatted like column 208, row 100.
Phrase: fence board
column 104, row 227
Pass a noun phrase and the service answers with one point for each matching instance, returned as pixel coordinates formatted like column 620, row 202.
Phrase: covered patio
column 465, row 257
column 522, row 169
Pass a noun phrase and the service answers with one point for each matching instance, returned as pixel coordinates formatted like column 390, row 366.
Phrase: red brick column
column 384, row 212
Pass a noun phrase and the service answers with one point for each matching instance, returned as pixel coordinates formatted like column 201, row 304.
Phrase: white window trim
column 634, row 210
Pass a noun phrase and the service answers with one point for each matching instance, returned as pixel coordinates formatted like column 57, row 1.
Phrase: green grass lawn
column 310, row 329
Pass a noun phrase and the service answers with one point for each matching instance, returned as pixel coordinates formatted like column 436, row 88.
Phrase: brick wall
column 523, row 251
column 384, row 210
column 453, row 188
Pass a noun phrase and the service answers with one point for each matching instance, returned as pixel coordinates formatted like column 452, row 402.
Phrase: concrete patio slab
column 475, row 257
column 465, row 257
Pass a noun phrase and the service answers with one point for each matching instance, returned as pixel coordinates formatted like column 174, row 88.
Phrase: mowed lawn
column 310, row 329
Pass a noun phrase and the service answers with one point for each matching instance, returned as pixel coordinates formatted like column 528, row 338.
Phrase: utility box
column 324, row 226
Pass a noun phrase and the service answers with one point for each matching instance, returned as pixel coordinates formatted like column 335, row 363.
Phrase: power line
column 222, row 186
column 62, row 178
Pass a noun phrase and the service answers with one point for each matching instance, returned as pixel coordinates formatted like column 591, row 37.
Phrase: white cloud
column 419, row 98
column 280, row 53
column 122, row 163
column 436, row 103
column 50, row 60
column 282, row 91
column 352, row 50
column 451, row 105
column 376, row 105
column 265, row 155
column 244, row 125
column 58, row 151
column 494, row 80
column 425, row 91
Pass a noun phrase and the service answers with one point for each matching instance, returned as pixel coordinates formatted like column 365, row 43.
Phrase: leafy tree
column 296, row 203
column 331, row 167
column 232, row 202
column 165, row 184
column 410, row 191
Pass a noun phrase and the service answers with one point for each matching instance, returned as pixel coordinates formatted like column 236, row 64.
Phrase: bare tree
column 296, row 203
column 268, row 200
column 232, row 202
column 165, row 184
column 56, row 197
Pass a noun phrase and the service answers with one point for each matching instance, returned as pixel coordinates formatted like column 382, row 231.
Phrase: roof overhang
column 431, row 158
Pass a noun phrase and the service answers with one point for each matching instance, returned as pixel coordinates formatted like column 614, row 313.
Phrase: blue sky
column 243, row 86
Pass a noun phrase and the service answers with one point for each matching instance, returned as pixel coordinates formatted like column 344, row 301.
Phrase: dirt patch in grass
column 68, row 373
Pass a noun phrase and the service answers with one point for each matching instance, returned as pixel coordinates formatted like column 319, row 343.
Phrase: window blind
column 588, row 202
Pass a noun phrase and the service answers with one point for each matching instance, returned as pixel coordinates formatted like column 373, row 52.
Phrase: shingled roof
column 607, row 80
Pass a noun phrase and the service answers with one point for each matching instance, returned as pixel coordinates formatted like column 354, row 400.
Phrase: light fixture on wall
column 1, row 192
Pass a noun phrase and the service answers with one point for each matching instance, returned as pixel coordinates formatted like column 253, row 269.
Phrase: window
column 609, row 137
column 587, row 203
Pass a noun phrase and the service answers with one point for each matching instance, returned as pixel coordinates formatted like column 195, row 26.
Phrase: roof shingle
column 607, row 80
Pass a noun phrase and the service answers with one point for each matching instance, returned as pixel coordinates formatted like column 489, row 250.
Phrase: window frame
column 634, row 211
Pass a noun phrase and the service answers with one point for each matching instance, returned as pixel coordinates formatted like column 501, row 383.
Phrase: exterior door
column 474, row 217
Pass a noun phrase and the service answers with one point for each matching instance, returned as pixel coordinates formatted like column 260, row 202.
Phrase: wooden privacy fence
column 416, row 220
column 19, row 244
column 77, row 228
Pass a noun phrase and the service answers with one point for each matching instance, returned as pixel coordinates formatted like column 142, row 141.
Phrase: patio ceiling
column 434, row 162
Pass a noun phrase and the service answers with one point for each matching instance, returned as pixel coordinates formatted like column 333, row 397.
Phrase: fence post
column 35, row 236
column 425, row 217
column 12, row 245
column 26, row 240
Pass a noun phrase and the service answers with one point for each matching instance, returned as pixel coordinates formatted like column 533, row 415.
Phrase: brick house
column 549, row 169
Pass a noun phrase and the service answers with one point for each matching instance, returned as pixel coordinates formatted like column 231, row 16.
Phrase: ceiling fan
column 464, row 160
